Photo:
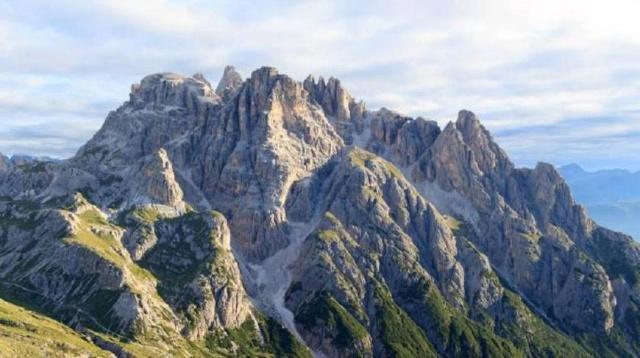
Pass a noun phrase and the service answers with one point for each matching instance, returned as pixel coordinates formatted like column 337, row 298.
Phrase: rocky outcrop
column 380, row 239
column 230, row 83
column 155, row 182
column 332, row 97
column 536, row 229
column 27, row 180
column 165, row 90
column 71, row 263
column 199, row 275
column 401, row 139
column 271, row 137
column 163, row 109
column 339, row 106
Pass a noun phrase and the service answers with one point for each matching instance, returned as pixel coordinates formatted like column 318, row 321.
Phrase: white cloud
column 519, row 65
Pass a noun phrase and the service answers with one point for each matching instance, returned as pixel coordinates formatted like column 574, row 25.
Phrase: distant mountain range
column 20, row 159
column 612, row 197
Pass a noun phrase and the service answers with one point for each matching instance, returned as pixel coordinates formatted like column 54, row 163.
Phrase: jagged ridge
column 364, row 233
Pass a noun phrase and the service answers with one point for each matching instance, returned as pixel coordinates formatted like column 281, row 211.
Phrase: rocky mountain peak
column 572, row 171
column 229, row 84
column 471, row 129
column 272, row 121
column 467, row 119
column 281, row 102
column 490, row 158
column 265, row 77
column 354, row 233
column 333, row 98
column 172, row 90
column 200, row 77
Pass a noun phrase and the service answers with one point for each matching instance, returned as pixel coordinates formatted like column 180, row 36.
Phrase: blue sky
column 556, row 82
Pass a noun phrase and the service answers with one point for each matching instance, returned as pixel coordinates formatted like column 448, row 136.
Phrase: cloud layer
column 558, row 81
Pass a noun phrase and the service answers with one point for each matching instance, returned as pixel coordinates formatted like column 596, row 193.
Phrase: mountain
column 271, row 217
column 611, row 196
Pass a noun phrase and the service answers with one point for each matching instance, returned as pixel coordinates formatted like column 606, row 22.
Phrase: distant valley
column 612, row 197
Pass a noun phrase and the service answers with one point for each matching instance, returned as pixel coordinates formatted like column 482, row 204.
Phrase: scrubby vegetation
column 263, row 338
column 532, row 335
column 450, row 330
column 336, row 323
column 612, row 256
column 25, row 333
column 399, row 334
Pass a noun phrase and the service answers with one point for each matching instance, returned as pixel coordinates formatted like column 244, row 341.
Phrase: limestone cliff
column 279, row 218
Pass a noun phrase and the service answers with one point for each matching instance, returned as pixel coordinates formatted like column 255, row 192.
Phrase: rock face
column 4, row 163
column 155, row 181
column 199, row 275
column 273, row 217
column 345, row 113
column 229, row 84
column 254, row 151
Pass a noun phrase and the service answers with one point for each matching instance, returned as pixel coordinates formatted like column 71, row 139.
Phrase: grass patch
column 279, row 341
column 143, row 214
column 360, row 158
column 453, row 223
column 93, row 234
column 96, row 234
column 25, row 333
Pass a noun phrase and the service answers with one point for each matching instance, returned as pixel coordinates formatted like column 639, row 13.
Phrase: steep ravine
column 272, row 277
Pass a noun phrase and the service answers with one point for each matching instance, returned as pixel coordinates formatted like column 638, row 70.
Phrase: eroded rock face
column 155, row 182
column 333, row 98
column 535, row 228
column 401, row 139
column 395, row 235
column 199, row 275
column 163, row 110
column 51, row 258
column 4, row 163
column 377, row 228
column 255, row 151
column 373, row 199
column 168, row 89
column 229, row 84
column 338, row 105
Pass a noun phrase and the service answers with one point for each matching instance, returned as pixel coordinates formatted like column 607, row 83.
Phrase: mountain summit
column 270, row 217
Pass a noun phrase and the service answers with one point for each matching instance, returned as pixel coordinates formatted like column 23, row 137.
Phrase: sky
column 554, row 81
